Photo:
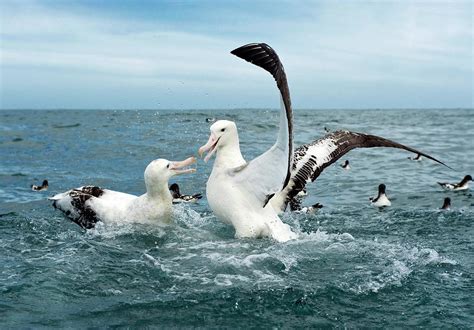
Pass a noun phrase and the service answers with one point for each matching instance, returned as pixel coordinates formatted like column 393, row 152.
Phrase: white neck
column 158, row 191
column 229, row 156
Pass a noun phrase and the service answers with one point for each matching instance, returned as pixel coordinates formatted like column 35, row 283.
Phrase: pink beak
column 210, row 146
column 176, row 167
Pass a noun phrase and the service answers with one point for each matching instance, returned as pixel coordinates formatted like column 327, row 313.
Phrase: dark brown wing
column 264, row 56
column 311, row 159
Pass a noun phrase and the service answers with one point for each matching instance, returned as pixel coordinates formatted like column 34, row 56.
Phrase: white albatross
column 238, row 191
column 89, row 204
column 249, row 195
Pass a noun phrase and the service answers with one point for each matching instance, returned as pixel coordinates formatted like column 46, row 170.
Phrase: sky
column 66, row 54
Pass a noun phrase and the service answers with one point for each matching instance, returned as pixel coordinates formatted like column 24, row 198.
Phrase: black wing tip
column 402, row 145
column 434, row 159
column 262, row 55
column 238, row 51
column 452, row 169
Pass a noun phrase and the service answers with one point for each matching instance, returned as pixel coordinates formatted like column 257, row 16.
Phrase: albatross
column 238, row 191
column 250, row 195
column 89, row 204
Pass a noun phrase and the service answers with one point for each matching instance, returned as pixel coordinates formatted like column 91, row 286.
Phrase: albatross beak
column 176, row 167
column 210, row 146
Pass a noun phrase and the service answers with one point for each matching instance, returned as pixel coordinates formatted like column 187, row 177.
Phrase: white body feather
column 117, row 207
column 382, row 201
column 454, row 187
column 238, row 191
column 235, row 205
column 89, row 204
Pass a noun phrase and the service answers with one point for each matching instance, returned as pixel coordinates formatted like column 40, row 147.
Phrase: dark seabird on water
column 463, row 185
column 346, row 165
column 44, row 186
column 381, row 200
column 446, row 204
column 178, row 198
column 311, row 209
column 416, row 158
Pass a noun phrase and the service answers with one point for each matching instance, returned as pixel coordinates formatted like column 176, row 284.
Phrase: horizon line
column 221, row 109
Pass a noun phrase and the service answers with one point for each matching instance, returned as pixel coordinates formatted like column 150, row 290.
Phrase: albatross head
column 223, row 134
column 160, row 171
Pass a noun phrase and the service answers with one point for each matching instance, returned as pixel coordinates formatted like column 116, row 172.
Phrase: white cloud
column 322, row 44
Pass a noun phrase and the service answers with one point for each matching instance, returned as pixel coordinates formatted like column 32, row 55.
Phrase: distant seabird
column 178, row 198
column 311, row 209
column 89, row 204
column 446, row 204
column 463, row 185
column 44, row 186
column 346, row 165
column 210, row 120
column 381, row 200
column 416, row 158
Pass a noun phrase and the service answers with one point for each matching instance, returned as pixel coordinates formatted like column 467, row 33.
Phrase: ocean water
column 352, row 265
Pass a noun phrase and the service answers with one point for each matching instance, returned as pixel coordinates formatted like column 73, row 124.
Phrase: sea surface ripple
column 352, row 266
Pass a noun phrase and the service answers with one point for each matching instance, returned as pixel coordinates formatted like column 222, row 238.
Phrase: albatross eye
column 168, row 166
column 222, row 130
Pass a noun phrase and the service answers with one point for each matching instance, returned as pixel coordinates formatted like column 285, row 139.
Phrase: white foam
column 229, row 279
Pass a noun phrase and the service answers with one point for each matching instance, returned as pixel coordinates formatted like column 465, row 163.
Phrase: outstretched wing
column 311, row 159
column 270, row 172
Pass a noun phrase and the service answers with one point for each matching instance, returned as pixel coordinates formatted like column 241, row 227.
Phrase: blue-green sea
column 409, row 265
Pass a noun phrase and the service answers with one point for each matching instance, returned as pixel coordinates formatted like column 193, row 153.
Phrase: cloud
column 160, row 61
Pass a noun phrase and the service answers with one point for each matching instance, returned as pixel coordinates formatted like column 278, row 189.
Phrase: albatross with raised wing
column 238, row 191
